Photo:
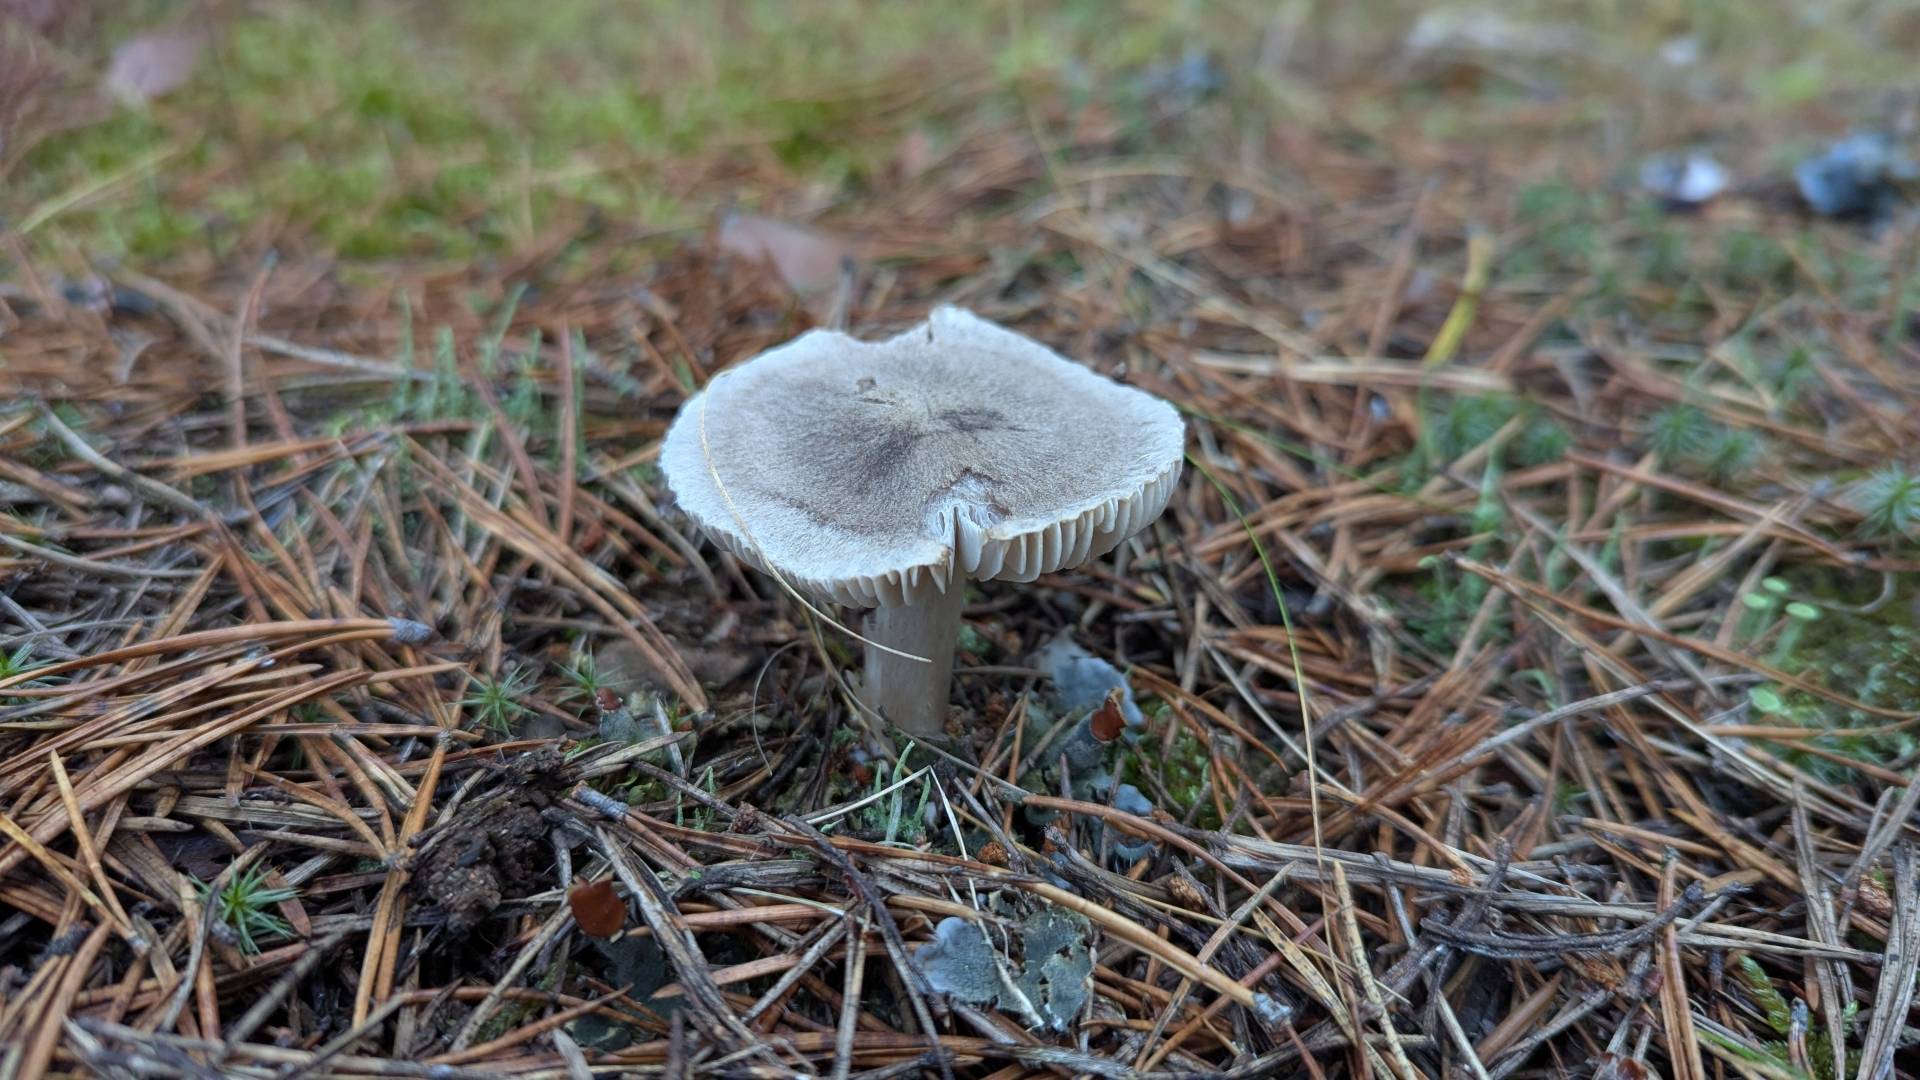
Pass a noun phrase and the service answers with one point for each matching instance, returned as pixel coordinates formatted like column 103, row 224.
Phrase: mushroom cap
column 878, row 473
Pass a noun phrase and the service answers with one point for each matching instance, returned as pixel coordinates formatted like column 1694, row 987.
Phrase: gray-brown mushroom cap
column 875, row 473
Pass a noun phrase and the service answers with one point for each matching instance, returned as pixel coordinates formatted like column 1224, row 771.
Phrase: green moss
column 1567, row 797
column 1661, row 249
column 1453, row 425
column 495, row 703
column 975, row 642
column 1185, row 770
column 1874, row 658
column 1751, row 260
column 1687, row 440
column 1889, row 502
column 1445, row 602
column 1780, row 1017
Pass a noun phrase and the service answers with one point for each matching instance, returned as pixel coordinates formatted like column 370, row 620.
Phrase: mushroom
column 886, row 474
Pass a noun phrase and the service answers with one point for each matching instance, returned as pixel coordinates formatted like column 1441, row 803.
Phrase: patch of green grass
column 1661, row 248
column 447, row 395
column 1445, row 601
column 1791, row 373
column 1567, row 229
column 380, row 130
column 1731, row 453
column 1678, row 433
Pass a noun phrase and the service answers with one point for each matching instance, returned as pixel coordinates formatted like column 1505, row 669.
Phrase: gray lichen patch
column 959, row 961
column 1056, row 972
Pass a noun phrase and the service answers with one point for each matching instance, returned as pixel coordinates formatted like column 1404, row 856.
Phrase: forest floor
column 1526, row 668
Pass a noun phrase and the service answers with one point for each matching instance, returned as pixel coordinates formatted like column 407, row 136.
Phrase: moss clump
column 1874, row 658
column 1181, row 767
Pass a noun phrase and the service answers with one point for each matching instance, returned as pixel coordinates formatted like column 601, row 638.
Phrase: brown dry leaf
column 597, row 908
column 152, row 65
column 807, row 259
column 1107, row 721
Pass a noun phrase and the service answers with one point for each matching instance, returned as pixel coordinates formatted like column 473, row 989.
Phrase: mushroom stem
column 907, row 691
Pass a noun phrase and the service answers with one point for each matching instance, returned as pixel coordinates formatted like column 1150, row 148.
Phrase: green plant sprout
column 496, row 702
column 1452, row 599
column 20, row 662
column 244, row 904
column 1766, row 698
column 1780, row 1017
column 1678, row 433
column 896, row 803
column 1731, row 452
column 1757, row 607
column 1888, row 501
column 701, row 817
column 1462, row 423
column 583, row 677
column 888, row 815
column 1687, row 439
